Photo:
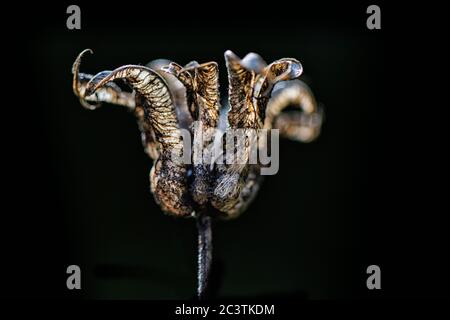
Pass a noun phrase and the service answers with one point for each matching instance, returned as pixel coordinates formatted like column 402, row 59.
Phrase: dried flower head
column 174, row 104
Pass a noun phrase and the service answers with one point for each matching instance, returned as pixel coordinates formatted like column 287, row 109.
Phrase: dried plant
column 166, row 97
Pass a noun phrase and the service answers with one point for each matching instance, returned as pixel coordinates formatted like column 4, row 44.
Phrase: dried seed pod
column 168, row 178
column 202, row 95
column 250, row 86
column 167, row 98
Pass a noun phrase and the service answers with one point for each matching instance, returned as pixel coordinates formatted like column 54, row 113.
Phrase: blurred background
column 313, row 228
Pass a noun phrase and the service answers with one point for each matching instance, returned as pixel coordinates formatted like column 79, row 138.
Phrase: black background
column 78, row 181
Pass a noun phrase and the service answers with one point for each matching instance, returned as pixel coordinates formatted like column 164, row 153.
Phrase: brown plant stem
column 204, row 253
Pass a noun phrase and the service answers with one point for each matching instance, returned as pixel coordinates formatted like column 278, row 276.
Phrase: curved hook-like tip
column 103, row 77
column 76, row 64
column 75, row 80
column 76, row 69
column 284, row 69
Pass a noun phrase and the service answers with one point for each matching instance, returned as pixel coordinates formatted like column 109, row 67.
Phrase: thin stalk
column 204, row 253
